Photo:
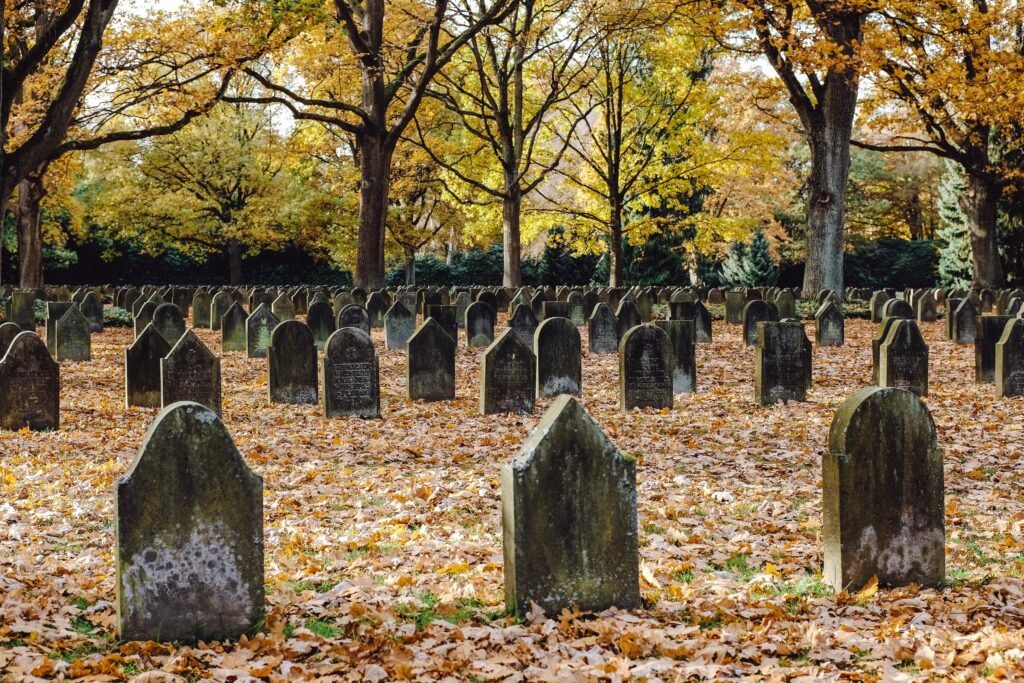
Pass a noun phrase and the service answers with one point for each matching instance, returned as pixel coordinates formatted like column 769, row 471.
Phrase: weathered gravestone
column 291, row 364
column 508, row 376
column 882, row 494
column 755, row 312
column 54, row 311
column 142, row 369
column 897, row 308
column 220, row 304
column 190, row 372
column 782, row 363
column 785, row 304
column 169, row 322
column 201, row 309
column 444, row 314
column 965, row 323
column 559, row 361
column 430, row 364
column 925, row 308
column 233, row 328
column 462, row 302
column 377, row 305
column 876, row 345
column 627, row 316
column 696, row 311
column 92, row 309
column 355, row 316
column 903, row 358
column 351, row 375
column 735, row 300
column 524, row 322
column 189, row 533
column 829, row 325
column 144, row 317
column 258, row 328
column 990, row 330
column 73, row 339
column 480, row 322
column 283, row 307
column 878, row 300
column 603, row 330
column 577, row 308
column 21, row 310
column 1009, row 374
column 555, row 309
column 951, row 305
column 8, row 331
column 29, row 386
column 320, row 318
column 399, row 324
column 682, row 336
column 645, row 369
column 569, row 518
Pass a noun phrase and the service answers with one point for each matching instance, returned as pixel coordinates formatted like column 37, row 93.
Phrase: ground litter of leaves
column 383, row 537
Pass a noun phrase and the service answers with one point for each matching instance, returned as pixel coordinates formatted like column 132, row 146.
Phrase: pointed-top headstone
column 507, row 376
column 29, row 385
column 190, row 372
column 142, row 369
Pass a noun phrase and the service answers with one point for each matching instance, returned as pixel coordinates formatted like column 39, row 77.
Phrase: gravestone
column 569, row 518
column 785, row 303
column 627, row 316
column 537, row 305
column 489, row 298
column 990, row 330
column 233, row 328
column 524, row 322
column 682, row 336
column 320, row 318
column 201, row 309
column 696, row 311
column 965, row 323
column 1014, row 307
column 169, row 322
column 645, row 369
column 903, row 358
column 8, row 331
column 829, row 325
column 21, row 310
column 142, row 368
column 735, row 300
column 876, row 345
column 92, row 309
column 897, row 308
column 782, row 363
column 399, row 324
column 559, row 361
column 878, row 300
column 54, row 311
column 755, row 312
column 359, row 296
column 1009, row 372
column 355, row 316
column 29, row 386
column 291, row 364
column 351, row 375
column 377, row 305
column 444, row 314
column 882, row 493
column 480, row 322
column 462, row 302
column 283, row 307
column 603, row 330
column 73, row 339
column 190, row 372
column 508, row 376
column 577, row 308
column 430, row 364
column 258, row 328
column 925, row 308
column 144, row 317
column 220, row 304
column 189, row 537
column 555, row 309
column 716, row 297
column 951, row 306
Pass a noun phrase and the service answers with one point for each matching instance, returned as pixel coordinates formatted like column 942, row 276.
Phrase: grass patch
column 303, row 586
column 654, row 529
column 683, row 577
column 83, row 625
column 322, row 628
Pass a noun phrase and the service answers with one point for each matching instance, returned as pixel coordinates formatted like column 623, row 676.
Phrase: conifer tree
column 955, row 268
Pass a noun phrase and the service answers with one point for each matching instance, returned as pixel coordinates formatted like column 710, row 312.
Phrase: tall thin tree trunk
column 615, row 265
column 375, row 171
column 410, row 267
column 3, row 221
column 981, row 204
column 510, row 208
column 30, row 237
column 234, row 262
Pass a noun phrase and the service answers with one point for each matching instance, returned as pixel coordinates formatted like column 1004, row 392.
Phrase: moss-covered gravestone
column 903, row 358
column 233, row 328
column 645, row 369
column 682, row 336
column 219, row 306
column 21, row 310
column 190, row 372
column 430, row 364
column 603, row 330
column 693, row 309
column 189, row 533
column 1009, row 372
column 559, row 358
column 142, row 369
column 990, row 331
column 785, row 304
column 201, row 309
column 340, row 301
column 29, row 385
column 524, row 322
column 320, row 318
column 925, row 308
column 291, row 364
column 258, row 328
column 577, row 308
column 755, row 312
column 283, row 307
column 569, row 518
column 627, row 316
column 8, row 331
column 377, row 304
column 782, row 363
column 897, row 308
column 735, row 300
column 354, row 316
column 876, row 303
column 480, row 322
column 73, row 336
column 169, row 322
column 351, row 375
column 882, row 505
column 876, row 346
column 92, row 309
column 399, row 324
column 444, row 314
column 829, row 325
column 508, row 376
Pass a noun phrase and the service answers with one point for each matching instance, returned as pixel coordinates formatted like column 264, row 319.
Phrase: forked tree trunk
column 981, row 204
column 375, row 172
column 30, row 237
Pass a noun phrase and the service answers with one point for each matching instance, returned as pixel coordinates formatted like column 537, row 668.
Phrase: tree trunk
column 30, row 237
column 410, row 267
column 375, row 171
column 3, row 223
column 981, row 204
column 615, row 265
column 510, row 208
column 234, row 262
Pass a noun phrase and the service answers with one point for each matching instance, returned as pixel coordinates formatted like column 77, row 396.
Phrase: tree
column 734, row 272
column 394, row 51
column 955, row 255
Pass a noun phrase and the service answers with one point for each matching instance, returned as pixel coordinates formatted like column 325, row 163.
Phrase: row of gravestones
column 189, row 517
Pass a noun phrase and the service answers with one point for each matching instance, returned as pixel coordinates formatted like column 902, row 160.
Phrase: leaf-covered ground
column 383, row 538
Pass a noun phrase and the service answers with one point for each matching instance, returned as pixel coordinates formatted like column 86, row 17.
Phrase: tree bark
column 374, row 190
column 981, row 204
column 3, row 224
column 615, row 265
column 30, row 237
column 410, row 267
column 510, row 208
column 234, row 250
